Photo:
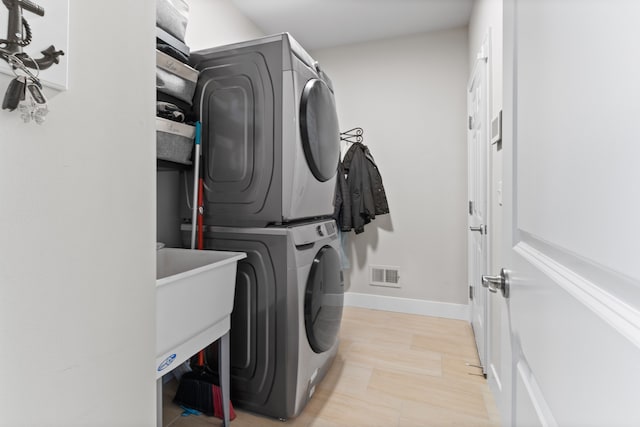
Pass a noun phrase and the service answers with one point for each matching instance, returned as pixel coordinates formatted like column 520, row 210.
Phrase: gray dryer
column 270, row 133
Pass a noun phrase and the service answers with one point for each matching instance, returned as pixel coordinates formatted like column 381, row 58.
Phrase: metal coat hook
column 352, row 135
column 19, row 35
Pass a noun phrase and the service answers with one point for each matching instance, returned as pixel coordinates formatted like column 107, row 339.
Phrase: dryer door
column 319, row 129
column 323, row 300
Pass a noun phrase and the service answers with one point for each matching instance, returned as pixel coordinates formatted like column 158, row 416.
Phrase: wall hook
column 352, row 135
column 19, row 35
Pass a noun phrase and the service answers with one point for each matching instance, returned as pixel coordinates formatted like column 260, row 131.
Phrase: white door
column 572, row 210
column 478, row 145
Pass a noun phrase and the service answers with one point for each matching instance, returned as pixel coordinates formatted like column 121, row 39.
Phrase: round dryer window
column 323, row 300
column 319, row 129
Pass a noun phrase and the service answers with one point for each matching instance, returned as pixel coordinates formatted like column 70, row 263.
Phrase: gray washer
column 287, row 313
column 270, row 135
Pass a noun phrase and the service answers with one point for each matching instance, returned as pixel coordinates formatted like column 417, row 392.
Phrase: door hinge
column 470, row 122
column 470, row 292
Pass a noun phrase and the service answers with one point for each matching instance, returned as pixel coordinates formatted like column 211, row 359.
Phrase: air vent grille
column 384, row 276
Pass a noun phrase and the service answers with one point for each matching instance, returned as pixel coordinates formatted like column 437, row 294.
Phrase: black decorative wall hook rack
column 19, row 35
column 352, row 135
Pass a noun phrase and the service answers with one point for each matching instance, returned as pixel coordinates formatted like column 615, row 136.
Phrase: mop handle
column 200, row 213
column 196, row 169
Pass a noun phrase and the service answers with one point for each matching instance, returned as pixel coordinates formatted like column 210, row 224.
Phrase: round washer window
column 323, row 300
column 319, row 129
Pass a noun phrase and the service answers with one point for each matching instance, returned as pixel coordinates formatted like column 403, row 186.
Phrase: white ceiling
column 326, row 23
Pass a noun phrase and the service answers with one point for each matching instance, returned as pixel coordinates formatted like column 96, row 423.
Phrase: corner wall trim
column 408, row 305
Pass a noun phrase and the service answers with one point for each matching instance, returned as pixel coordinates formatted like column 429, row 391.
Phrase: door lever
column 498, row 283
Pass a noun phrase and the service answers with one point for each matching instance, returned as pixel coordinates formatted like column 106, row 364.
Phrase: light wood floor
column 391, row 370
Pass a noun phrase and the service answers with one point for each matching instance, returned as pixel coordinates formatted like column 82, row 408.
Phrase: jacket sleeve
column 368, row 211
column 356, row 179
column 380, row 204
column 342, row 205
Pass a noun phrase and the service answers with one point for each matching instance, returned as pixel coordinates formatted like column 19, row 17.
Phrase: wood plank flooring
column 391, row 370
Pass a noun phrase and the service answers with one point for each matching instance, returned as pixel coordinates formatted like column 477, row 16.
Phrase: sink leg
column 159, row 402
column 224, row 369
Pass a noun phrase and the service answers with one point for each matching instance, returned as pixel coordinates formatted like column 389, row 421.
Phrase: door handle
column 498, row 283
column 479, row 228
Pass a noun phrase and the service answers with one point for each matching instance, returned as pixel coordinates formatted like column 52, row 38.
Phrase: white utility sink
column 194, row 299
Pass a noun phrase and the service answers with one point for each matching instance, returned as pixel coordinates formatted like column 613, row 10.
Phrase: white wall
column 77, row 220
column 217, row 22
column 408, row 94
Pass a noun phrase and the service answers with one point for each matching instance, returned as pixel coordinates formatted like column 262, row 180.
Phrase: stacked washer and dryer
column 270, row 147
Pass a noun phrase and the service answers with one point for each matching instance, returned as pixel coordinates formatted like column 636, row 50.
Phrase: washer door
column 319, row 129
column 323, row 300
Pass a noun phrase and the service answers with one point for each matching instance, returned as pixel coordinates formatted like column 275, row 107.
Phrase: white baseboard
column 408, row 305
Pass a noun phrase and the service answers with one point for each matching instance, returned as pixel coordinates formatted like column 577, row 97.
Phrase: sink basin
column 194, row 299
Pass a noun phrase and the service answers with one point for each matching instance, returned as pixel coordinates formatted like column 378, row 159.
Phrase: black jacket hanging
column 342, row 202
column 366, row 192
